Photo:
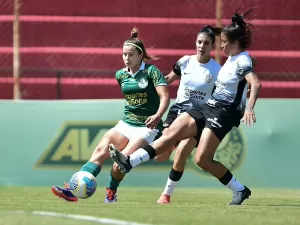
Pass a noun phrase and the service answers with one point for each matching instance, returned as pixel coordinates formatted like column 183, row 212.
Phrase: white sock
column 170, row 187
column 235, row 185
column 138, row 157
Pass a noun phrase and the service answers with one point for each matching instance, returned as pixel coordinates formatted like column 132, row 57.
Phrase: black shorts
column 174, row 111
column 219, row 119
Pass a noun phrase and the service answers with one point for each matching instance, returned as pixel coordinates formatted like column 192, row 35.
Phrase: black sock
column 226, row 178
column 175, row 175
column 151, row 151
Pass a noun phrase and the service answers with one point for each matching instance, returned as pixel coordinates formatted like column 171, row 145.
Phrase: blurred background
column 71, row 49
column 59, row 95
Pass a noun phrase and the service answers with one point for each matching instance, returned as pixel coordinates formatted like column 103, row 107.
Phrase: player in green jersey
column 146, row 100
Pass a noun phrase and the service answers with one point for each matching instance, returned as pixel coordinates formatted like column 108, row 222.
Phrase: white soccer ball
column 83, row 184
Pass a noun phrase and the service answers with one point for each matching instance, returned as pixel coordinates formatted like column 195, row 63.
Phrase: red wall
column 97, row 44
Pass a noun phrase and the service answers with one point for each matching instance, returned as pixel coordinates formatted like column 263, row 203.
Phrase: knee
column 103, row 144
column 100, row 153
column 203, row 162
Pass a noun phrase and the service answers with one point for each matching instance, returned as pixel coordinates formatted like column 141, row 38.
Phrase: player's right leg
column 183, row 151
column 116, row 176
column 94, row 165
column 182, row 128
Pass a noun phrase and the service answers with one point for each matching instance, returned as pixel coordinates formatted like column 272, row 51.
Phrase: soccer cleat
column 164, row 199
column 111, row 196
column 240, row 196
column 119, row 158
column 64, row 193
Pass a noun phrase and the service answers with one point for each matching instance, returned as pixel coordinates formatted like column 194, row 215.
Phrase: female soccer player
column 225, row 109
column 147, row 99
column 198, row 74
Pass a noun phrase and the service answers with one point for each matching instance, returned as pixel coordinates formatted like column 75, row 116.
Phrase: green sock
column 92, row 168
column 113, row 184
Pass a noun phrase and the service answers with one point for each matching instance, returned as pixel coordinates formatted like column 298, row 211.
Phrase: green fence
column 45, row 142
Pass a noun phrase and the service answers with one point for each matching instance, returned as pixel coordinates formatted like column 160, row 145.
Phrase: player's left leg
column 99, row 155
column 183, row 151
column 204, row 158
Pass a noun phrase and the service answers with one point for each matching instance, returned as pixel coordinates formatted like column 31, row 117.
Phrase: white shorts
column 130, row 131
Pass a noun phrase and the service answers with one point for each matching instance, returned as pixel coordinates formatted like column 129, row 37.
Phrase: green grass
column 189, row 206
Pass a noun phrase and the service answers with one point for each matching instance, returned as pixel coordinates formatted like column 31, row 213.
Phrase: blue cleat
column 111, row 196
column 119, row 158
column 64, row 193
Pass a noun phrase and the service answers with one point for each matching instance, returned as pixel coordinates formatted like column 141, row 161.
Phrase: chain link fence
column 82, row 40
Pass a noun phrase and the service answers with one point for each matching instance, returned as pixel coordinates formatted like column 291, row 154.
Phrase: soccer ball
column 83, row 184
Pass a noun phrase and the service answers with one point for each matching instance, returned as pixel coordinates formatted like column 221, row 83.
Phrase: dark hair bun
column 135, row 33
column 238, row 19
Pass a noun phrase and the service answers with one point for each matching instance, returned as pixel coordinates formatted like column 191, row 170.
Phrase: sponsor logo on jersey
column 194, row 94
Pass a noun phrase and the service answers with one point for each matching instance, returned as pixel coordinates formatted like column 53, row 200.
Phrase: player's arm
column 254, row 63
column 162, row 90
column 249, row 115
column 245, row 71
column 175, row 74
column 171, row 77
column 164, row 96
column 253, row 80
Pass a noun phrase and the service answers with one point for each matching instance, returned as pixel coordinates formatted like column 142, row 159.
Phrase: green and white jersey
column 140, row 94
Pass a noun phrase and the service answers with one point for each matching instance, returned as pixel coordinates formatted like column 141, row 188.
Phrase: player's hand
column 152, row 121
column 249, row 117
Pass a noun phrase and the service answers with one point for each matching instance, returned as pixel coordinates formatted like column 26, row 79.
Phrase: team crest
column 230, row 152
column 208, row 78
column 143, row 82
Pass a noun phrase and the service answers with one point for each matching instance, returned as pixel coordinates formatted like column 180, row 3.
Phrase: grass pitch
column 189, row 206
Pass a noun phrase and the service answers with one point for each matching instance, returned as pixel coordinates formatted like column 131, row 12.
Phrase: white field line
column 94, row 219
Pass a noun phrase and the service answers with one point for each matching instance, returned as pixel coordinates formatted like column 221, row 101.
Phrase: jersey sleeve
column 157, row 77
column 216, row 70
column 244, row 66
column 117, row 76
column 177, row 67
